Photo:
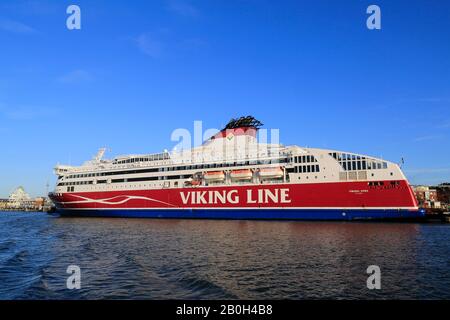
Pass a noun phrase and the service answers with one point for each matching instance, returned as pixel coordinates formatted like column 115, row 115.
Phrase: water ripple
column 205, row 259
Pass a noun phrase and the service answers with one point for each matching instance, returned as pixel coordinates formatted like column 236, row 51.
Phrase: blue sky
column 139, row 69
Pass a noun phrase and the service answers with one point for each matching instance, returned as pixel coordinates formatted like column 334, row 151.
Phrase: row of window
column 307, row 169
column 191, row 167
column 304, row 159
column 346, row 156
column 304, row 169
column 362, row 165
column 352, row 162
column 76, row 183
column 153, row 157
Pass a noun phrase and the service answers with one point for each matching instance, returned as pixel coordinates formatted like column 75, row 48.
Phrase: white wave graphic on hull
column 110, row 202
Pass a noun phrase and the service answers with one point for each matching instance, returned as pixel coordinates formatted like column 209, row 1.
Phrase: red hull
column 315, row 195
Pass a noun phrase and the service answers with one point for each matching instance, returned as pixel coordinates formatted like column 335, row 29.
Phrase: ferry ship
column 233, row 176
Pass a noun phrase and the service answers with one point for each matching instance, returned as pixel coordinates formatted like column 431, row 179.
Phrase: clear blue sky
column 139, row 69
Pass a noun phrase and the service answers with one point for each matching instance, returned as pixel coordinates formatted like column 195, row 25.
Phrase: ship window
column 317, row 168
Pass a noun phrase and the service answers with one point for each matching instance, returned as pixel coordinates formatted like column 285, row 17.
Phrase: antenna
column 402, row 162
column 100, row 154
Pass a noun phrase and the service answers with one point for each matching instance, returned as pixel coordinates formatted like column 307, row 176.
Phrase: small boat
column 271, row 173
column 193, row 182
column 245, row 174
column 214, row 176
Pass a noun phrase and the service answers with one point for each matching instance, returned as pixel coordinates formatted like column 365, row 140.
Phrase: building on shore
column 20, row 200
column 433, row 197
column 3, row 204
column 443, row 194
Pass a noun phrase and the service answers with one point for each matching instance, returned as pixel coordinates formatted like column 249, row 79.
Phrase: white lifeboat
column 193, row 182
column 214, row 176
column 271, row 173
column 244, row 174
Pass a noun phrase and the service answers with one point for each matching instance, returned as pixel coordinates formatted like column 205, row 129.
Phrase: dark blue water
column 206, row 259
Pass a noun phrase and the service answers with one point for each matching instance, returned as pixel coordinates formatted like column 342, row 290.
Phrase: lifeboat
column 193, row 183
column 245, row 174
column 214, row 176
column 271, row 173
